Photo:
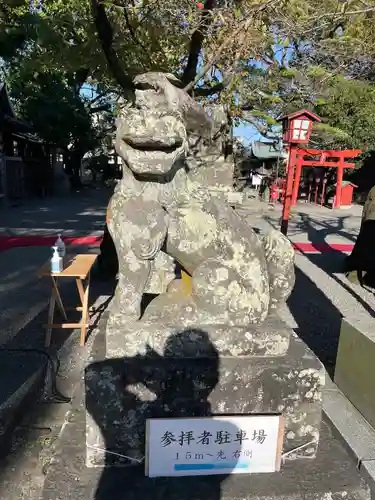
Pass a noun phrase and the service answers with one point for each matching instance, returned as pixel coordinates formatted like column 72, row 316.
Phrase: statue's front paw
column 147, row 250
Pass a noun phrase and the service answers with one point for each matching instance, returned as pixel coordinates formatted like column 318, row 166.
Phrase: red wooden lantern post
column 297, row 129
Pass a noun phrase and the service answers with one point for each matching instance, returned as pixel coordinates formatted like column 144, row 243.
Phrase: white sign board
column 213, row 445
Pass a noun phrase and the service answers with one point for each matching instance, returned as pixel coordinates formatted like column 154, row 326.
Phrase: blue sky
column 245, row 130
column 248, row 132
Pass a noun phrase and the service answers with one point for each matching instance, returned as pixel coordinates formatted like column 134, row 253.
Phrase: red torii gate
column 340, row 164
column 297, row 129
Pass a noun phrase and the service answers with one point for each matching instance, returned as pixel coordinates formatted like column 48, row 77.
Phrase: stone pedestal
column 155, row 371
column 355, row 368
column 332, row 475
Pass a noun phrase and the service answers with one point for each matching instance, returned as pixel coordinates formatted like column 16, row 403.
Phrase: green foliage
column 57, row 113
column 274, row 57
column 350, row 108
column 47, row 57
column 60, row 37
column 288, row 72
column 317, row 72
column 48, row 54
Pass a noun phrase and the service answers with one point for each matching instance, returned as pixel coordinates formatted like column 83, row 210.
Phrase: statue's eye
column 146, row 86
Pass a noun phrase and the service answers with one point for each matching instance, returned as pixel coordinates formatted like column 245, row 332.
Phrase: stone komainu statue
column 162, row 208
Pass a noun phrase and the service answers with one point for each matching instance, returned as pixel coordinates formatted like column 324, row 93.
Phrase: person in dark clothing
column 361, row 262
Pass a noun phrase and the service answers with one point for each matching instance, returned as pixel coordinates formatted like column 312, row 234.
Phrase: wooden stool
column 78, row 267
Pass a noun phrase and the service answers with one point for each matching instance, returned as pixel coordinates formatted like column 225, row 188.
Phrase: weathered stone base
column 270, row 339
column 330, row 476
column 190, row 373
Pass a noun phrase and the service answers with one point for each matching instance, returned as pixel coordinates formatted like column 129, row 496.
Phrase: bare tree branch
column 243, row 25
column 207, row 91
column 134, row 36
column 345, row 13
column 264, row 131
column 196, row 43
column 105, row 33
column 216, row 57
column 103, row 107
column 98, row 97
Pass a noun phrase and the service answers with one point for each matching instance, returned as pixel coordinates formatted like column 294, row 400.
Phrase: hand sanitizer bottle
column 61, row 246
column 56, row 261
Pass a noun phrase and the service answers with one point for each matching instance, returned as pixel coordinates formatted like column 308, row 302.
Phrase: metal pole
column 288, row 189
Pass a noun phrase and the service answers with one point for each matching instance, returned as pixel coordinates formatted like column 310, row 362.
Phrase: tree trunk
column 72, row 160
column 106, row 37
column 228, row 144
column 196, row 43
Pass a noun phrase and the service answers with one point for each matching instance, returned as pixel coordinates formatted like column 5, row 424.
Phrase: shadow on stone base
column 187, row 374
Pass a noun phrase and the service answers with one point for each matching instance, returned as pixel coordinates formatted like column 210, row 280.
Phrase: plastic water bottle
column 61, row 246
column 56, row 261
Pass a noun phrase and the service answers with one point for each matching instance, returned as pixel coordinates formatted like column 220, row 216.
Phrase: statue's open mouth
column 169, row 145
column 151, row 153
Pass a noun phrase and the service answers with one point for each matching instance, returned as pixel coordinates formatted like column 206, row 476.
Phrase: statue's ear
column 174, row 80
column 151, row 353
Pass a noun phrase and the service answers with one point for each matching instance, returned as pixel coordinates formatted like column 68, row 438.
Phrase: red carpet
column 7, row 242
column 309, row 247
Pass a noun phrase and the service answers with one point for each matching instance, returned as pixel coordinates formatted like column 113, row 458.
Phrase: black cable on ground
column 53, row 365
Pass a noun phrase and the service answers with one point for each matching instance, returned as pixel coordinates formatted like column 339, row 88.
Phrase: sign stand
column 245, row 444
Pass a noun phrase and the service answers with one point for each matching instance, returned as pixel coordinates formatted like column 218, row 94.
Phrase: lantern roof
column 346, row 183
column 268, row 150
column 303, row 112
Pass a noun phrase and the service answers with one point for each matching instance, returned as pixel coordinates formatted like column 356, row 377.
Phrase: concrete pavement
column 322, row 294
column 308, row 223
column 77, row 214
